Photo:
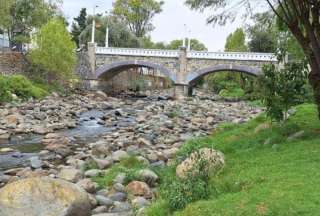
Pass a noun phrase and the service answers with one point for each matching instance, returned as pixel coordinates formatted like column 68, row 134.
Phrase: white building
column 4, row 41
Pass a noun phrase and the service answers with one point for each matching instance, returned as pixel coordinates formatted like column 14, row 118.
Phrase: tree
column 282, row 89
column 55, row 51
column 195, row 45
column 236, row 42
column 137, row 14
column 79, row 25
column 301, row 17
column 263, row 34
column 119, row 34
column 20, row 17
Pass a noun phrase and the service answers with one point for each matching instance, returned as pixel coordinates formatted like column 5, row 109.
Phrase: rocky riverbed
column 58, row 136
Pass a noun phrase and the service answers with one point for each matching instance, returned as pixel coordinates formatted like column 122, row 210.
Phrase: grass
column 278, row 177
column 129, row 166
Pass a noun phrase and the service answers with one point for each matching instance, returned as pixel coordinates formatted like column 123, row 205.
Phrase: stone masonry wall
column 12, row 63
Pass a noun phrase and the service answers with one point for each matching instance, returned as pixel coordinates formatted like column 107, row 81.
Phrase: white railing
column 137, row 52
column 242, row 56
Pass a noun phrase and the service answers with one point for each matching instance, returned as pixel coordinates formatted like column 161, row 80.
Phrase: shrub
column 181, row 191
column 20, row 86
column 5, row 94
column 232, row 93
column 284, row 88
column 24, row 88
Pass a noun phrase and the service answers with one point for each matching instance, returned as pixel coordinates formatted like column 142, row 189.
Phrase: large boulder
column 213, row 159
column 43, row 197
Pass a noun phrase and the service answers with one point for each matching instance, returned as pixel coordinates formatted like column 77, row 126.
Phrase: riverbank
column 144, row 133
column 269, row 170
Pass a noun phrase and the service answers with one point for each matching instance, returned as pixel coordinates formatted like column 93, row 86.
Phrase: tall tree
column 79, row 24
column 137, row 14
column 236, row 42
column 263, row 33
column 55, row 51
column 119, row 34
column 20, row 17
column 301, row 17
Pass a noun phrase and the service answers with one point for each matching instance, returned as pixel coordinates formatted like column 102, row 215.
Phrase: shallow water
column 27, row 146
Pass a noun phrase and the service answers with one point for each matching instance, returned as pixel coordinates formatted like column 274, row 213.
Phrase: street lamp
column 93, row 24
column 184, row 37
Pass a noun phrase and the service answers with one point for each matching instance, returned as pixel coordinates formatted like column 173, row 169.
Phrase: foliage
column 79, row 25
column 173, row 45
column 232, row 93
column 119, row 34
column 262, row 169
column 284, row 88
column 231, row 84
column 263, row 33
column 21, row 87
column 137, row 14
column 130, row 166
column 194, row 45
column 300, row 17
column 236, row 41
column 55, row 51
column 20, row 17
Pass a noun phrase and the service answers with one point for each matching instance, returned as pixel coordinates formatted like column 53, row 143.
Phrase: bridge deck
column 245, row 56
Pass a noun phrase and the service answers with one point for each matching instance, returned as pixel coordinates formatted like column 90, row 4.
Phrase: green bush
column 232, row 93
column 180, row 193
column 20, row 86
column 5, row 94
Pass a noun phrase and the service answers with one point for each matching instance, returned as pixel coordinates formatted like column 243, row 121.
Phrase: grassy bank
column 265, row 174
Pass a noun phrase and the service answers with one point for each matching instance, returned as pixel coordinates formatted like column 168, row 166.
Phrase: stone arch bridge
column 183, row 67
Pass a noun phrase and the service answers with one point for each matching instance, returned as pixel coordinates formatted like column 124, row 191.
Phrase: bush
column 20, row 86
column 284, row 88
column 232, row 93
column 5, row 94
column 179, row 193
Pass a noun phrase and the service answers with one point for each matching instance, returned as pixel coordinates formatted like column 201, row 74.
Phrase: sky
column 174, row 22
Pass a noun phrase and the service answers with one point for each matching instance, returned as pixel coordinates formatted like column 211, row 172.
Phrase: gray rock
column 70, row 174
column 119, row 155
column 99, row 210
column 103, row 192
column 36, row 162
column 103, row 163
column 38, row 196
column 119, row 187
column 140, row 202
column 121, row 207
column 88, row 185
column 118, row 196
column 105, row 201
column 92, row 173
column 120, row 178
column 148, row 176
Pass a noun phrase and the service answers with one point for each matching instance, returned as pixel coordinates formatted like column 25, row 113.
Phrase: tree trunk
column 314, row 80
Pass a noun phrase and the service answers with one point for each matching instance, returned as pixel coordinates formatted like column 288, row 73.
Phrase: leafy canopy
column 137, row 14
column 55, row 50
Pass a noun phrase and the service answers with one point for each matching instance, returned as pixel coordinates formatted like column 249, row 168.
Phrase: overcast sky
column 169, row 25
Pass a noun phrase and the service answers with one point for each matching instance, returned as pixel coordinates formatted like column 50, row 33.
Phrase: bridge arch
column 110, row 70
column 193, row 76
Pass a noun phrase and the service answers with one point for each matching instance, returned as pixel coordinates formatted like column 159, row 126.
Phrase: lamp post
column 189, row 41
column 107, row 36
column 184, row 37
column 93, row 24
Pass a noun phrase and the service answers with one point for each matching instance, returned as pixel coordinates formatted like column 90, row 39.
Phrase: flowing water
column 26, row 146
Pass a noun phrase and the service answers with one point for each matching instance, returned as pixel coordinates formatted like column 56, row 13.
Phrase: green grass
column 129, row 166
column 277, row 178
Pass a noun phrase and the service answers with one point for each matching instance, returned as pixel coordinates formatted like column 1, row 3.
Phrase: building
column 4, row 41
